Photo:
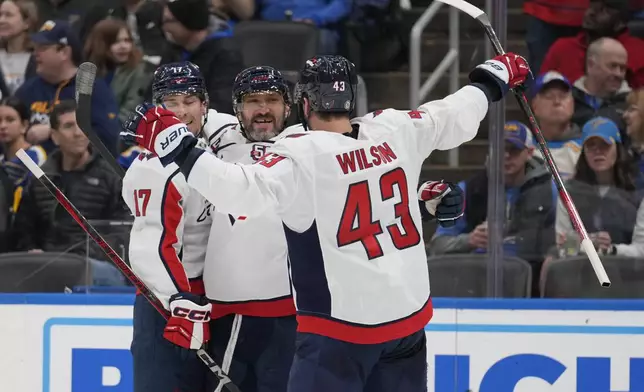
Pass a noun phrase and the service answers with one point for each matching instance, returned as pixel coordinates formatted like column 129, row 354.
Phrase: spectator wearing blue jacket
column 531, row 199
column 325, row 14
column 58, row 53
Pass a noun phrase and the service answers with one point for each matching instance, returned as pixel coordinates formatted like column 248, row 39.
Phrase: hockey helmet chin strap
column 204, row 121
column 302, row 115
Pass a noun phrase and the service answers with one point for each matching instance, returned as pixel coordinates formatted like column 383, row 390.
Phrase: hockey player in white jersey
column 246, row 272
column 167, row 248
column 346, row 193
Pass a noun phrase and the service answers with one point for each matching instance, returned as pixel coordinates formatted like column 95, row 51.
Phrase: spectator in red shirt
column 604, row 18
column 549, row 20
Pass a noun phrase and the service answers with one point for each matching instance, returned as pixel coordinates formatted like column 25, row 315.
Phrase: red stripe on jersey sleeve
column 364, row 334
column 171, row 214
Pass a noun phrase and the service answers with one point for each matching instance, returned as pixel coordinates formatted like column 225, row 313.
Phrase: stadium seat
column 46, row 272
column 574, row 277
column 282, row 45
column 465, row 275
column 116, row 233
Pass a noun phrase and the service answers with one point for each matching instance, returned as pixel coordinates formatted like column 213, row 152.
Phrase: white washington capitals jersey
column 170, row 230
column 352, row 223
column 246, row 268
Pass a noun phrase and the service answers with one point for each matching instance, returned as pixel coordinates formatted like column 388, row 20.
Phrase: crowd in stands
column 42, row 44
column 588, row 97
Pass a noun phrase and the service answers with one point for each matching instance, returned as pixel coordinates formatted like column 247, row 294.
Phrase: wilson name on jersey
column 353, row 226
column 358, row 262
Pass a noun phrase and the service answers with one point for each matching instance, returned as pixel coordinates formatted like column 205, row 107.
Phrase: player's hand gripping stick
column 586, row 243
column 125, row 269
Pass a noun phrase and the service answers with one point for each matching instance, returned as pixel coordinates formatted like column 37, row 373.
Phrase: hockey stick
column 85, row 77
column 117, row 260
column 586, row 243
column 84, row 86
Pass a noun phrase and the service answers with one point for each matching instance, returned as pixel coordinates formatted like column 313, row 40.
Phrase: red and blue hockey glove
column 501, row 73
column 443, row 200
column 159, row 131
column 188, row 323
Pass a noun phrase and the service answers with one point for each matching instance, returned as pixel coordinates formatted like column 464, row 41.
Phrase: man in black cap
column 206, row 41
column 57, row 52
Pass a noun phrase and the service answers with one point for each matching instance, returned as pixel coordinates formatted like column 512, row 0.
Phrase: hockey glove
column 159, row 131
column 188, row 323
column 443, row 200
column 500, row 74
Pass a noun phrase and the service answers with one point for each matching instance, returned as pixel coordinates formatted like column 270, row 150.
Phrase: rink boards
column 80, row 343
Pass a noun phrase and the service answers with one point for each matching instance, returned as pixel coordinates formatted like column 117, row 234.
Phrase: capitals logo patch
column 258, row 151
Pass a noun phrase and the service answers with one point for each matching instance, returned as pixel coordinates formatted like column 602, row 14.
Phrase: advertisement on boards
column 64, row 343
column 80, row 343
column 536, row 350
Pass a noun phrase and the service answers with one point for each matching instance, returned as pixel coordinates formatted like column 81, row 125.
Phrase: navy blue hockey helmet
column 178, row 79
column 259, row 79
column 330, row 83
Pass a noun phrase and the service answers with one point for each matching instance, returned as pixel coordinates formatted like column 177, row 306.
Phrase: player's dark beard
column 260, row 135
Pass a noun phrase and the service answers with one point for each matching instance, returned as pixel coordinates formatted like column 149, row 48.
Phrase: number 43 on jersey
column 357, row 224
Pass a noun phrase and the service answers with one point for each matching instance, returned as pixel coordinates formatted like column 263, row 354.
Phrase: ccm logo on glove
column 188, row 323
column 190, row 314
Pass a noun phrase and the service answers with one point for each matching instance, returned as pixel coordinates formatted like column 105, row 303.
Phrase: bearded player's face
column 190, row 109
column 263, row 115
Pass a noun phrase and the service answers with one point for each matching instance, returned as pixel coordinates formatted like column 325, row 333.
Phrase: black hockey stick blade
column 117, row 260
column 586, row 243
column 84, row 86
